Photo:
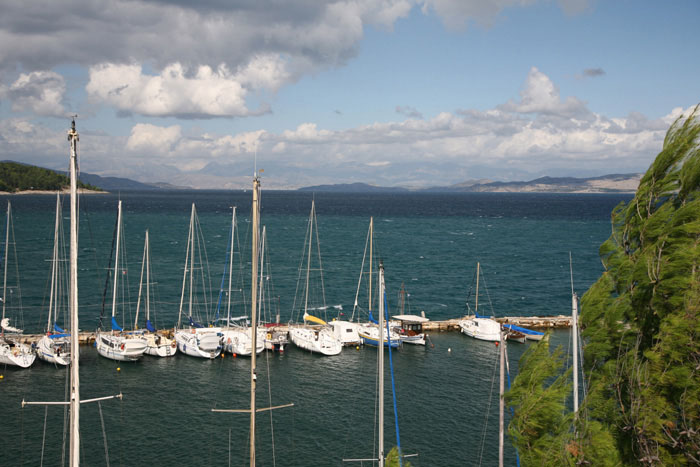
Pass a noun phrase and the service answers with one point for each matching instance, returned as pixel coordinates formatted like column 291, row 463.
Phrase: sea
column 446, row 393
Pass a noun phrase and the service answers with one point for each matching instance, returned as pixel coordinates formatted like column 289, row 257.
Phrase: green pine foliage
column 641, row 328
column 20, row 177
column 392, row 459
column 540, row 426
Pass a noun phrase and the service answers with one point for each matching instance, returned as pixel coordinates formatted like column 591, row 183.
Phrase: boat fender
column 122, row 346
column 228, row 341
column 173, row 345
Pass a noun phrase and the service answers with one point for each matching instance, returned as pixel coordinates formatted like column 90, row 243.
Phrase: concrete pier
column 531, row 322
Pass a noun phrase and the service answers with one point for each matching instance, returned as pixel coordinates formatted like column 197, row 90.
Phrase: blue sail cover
column 195, row 324
column 56, row 336
column 371, row 318
column 532, row 332
column 149, row 326
column 58, row 329
column 115, row 326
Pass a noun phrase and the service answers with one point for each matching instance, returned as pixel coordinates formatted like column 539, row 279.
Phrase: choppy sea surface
column 447, row 393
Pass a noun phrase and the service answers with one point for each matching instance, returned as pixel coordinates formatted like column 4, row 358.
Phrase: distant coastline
column 64, row 191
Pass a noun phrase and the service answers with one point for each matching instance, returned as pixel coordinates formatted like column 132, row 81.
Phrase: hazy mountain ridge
column 613, row 183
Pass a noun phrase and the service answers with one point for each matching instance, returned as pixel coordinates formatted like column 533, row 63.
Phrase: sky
column 410, row 93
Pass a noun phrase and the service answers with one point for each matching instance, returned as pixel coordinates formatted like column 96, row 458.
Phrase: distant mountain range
column 614, row 183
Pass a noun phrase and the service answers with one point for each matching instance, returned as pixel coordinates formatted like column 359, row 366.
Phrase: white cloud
column 540, row 95
column 39, row 92
column 538, row 136
column 207, row 93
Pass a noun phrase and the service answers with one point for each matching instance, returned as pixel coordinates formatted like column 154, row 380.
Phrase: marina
column 451, row 370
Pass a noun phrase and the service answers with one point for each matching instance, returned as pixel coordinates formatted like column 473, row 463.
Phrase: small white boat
column 199, row 342
column 54, row 346
column 319, row 337
column 316, row 339
column 157, row 345
column 480, row 327
column 410, row 328
column 118, row 344
column 370, row 335
column 239, row 341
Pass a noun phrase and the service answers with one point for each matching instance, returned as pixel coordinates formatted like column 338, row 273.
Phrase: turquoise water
column 430, row 242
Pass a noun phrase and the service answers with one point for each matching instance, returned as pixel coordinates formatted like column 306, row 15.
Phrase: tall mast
column 253, row 313
column 574, row 331
column 4, row 278
column 54, row 267
column 380, row 356
column 476, row 309
column 230, row 267
column 371, row 238
column 148, row 279
column 116, row 257
column 501, row 389
column 73, row 303
column 192, row 218
column 308, row 259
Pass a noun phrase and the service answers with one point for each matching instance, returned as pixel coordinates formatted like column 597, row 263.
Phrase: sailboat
column 157, row 345
column 54, row 346
column 370, row 332
column 409, row 327
column 236, row 338
column 480, row 327
column 12, row 351
column 196, row 340
column 118, row 344
column 318, row 339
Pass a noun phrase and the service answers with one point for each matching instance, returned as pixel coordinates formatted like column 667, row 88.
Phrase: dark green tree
column 641, row 329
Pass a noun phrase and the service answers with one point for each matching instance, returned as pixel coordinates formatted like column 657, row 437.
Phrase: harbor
column 539, row 323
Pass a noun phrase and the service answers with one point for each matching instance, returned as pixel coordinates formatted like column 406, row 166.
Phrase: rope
column 488, row 410
column 43, row 435
column 104, row 432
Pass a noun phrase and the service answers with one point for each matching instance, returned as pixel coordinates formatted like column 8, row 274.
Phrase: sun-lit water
column 429, row 242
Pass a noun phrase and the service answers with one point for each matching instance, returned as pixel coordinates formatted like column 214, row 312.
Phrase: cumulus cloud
column 206, row 93
column 39, row 92
column 540, row 95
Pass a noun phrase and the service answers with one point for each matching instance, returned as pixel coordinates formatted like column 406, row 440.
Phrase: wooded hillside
column 20, row 177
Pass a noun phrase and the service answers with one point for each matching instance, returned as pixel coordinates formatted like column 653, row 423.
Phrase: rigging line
column 109, row 264
column 393, row 385
column 43, row 435
column 104, row 432
column 488, row 410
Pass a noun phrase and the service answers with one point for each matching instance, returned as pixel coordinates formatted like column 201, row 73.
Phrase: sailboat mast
column 54, row 267
column 308, row 259
column 191, row 258
column 574, row 331
column 4, row 278
column 380, row 356
column 476, row 308
column 501, row 404
column 74, row 456
column 230, row 268
column 253, row 312
column 371, row 238
column 116, row 257
column 148, row 279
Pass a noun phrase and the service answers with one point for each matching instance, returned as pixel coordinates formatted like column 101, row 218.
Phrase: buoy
column 2, row 376
column 222, row 355
column 496, row 343
column 119, row 368
column 449, row 349
column 235, row 355
column 357, row 347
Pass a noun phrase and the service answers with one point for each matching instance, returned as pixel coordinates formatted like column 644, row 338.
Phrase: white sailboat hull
column 202, row 343
column 240, row 342
column 56, row 350
column 485, row 329
column 316, row 340
column 275, row 339
column 16, row 354
column 159, row 346
column 120, row 347
column 370, row 335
